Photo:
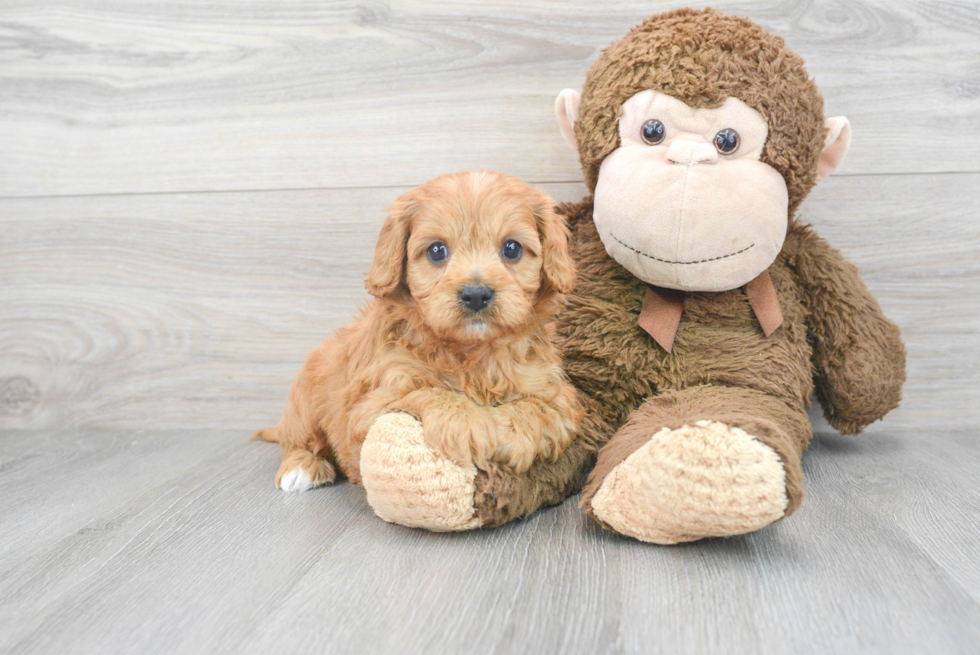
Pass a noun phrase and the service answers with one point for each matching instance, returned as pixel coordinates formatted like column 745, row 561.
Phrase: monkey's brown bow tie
column 662, row 308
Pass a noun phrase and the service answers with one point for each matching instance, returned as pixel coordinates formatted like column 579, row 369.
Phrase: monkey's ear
column 566, row 110
column 835, row 147
column 389, row 255
column 557, row 270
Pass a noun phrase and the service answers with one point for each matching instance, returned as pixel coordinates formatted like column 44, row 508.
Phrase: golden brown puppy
column 467, row 270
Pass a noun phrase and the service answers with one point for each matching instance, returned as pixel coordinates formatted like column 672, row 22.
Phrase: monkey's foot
column 708, row 479
column 409, row 483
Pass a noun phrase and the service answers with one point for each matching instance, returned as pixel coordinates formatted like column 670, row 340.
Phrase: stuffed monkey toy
column 705, row 313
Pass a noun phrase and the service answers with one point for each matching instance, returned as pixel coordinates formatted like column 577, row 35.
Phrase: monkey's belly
column 609, row 358
column 729, row 348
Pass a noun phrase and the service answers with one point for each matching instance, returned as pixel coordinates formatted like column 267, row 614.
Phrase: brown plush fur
column 494, row 395
column 834, row 338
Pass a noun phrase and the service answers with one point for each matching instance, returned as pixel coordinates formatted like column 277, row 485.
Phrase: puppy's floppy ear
column 557, row 269
column 388, row 268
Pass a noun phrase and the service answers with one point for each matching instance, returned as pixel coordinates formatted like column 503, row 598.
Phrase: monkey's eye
column 653, row 132
column 437, row 252
column 511, row 251
column 727, row 141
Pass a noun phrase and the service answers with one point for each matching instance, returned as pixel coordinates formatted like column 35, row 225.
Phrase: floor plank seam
column 407, row 185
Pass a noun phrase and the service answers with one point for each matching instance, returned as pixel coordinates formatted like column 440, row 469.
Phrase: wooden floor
column 189, row 198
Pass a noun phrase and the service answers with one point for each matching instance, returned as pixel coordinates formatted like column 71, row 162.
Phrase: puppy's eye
column 653, row 132
column 437, row 252
column 511, row 251
column 727, row 141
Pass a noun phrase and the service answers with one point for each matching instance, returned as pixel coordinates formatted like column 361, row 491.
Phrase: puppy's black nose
column 475, row 297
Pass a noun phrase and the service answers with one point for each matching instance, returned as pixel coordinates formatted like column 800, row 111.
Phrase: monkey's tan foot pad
column 703, row 480
column 409, row 483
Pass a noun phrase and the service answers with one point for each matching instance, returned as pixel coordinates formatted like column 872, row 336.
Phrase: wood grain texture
column 134, row 96
column 924, row 481
column 215, row 560
column 189, row 198
column 196, row 311
column 53, row 485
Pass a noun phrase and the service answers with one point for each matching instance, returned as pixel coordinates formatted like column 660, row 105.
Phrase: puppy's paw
column 409, row 483
column 464, row 445
column 296, row 480
column 516, row 451
column 526, row 431
column 301, row 470
column 466, row 435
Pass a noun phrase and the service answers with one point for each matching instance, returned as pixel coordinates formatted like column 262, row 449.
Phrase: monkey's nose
column 475, row 297
column 690, row 153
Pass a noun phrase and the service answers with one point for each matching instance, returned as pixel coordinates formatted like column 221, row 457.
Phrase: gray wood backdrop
column 189, row 198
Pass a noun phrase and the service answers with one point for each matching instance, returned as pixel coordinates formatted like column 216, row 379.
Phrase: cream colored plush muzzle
column 682, row 215
column 694, row 227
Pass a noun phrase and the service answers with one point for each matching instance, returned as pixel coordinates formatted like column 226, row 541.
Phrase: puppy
column 467, row 270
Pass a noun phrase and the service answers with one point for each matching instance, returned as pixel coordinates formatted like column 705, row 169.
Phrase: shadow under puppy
column 468, row 269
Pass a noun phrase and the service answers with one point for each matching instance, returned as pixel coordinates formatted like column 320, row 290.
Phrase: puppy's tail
column 269, row 434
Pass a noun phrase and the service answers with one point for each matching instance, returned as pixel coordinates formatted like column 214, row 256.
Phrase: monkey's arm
column 858, row 355
column 410, row 483
column 502, row 496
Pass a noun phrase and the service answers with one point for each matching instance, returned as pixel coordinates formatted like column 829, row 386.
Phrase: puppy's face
column 480, row 249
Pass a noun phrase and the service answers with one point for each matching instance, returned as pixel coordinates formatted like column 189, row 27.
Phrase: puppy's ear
column 388, row 268
column 557, row 269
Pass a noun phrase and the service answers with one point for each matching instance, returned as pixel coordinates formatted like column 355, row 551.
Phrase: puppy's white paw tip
column 296, row 481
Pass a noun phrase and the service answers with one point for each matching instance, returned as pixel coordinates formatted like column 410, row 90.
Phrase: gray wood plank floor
column 189, row 197
column 117, row 557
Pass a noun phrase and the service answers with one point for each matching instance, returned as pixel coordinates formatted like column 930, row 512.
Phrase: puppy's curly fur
column 487, row 385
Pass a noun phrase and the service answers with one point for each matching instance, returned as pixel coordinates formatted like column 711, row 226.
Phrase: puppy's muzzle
column 475, row 297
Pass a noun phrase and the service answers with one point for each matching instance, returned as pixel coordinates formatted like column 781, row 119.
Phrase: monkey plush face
column 699, row 134
column 684, row 202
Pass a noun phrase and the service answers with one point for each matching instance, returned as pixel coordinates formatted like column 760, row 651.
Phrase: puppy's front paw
column 516, row 451
column 409, row 483
column 467, row 441
column 528, row 430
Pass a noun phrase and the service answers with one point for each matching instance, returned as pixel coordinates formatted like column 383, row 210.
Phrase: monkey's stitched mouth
column 667, row 261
